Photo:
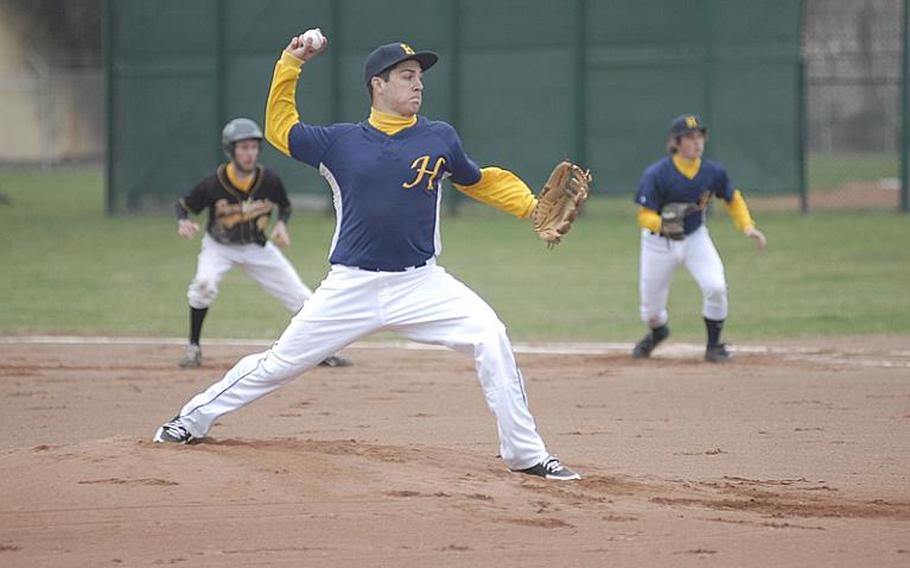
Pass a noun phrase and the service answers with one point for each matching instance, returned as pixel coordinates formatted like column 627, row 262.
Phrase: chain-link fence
column 852, row 54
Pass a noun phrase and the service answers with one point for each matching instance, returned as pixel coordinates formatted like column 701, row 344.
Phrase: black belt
column 668, row 238
column 405, row 269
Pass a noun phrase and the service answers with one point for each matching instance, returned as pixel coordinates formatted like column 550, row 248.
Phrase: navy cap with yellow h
column 389, row 55
column 686, row 124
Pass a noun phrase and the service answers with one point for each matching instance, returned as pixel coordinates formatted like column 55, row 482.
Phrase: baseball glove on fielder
column 559, row 201
column 672, row 217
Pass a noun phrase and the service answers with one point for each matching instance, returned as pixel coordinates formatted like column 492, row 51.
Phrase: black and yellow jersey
column 237, row 215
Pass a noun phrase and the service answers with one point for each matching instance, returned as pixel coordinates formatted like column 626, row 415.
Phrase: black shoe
column 335, row 361
column 649, row 342
column 551, row 468
column 717, row 353
column 174, row 432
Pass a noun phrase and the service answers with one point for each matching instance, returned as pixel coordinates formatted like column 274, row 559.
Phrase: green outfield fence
column 526, row 82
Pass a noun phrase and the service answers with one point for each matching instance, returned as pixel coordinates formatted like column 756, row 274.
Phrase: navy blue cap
column 391, row 54
column 687, row 123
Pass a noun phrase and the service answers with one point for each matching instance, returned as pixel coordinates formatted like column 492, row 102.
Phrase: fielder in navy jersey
column 683, row 178
column 385, row 174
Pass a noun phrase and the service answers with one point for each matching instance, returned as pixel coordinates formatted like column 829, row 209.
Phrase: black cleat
column 644, row 347
column 551, row 468
column 174, row 432
column 335, row 361
column 717, row 354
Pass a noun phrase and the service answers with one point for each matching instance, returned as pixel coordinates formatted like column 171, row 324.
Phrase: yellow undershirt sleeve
column 649, row 219
column 739, row 211
column 281, row 108
column 503, row 190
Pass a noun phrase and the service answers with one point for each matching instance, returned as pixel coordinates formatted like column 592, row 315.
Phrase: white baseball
column 315, row 37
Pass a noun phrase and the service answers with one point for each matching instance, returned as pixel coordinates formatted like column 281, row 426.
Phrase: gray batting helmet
column 237, row 130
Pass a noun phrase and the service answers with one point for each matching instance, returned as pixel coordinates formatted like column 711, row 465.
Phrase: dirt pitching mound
column 788, row 456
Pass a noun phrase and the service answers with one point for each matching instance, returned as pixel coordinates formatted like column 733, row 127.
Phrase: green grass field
column 66, row 268
column 828, row 171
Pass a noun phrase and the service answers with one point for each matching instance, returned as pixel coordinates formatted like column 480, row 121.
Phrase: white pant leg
column 275, row 273
column 703, row 262
column 430, row 306
column 342, row 310
column 659, row 259
column 215, row 260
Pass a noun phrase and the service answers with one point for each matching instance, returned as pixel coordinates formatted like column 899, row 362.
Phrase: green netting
column 527, row 82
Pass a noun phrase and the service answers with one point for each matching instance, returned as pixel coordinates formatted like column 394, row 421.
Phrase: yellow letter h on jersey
column 421, row 164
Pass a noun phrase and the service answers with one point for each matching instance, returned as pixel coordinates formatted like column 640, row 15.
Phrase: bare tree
column 71, row 28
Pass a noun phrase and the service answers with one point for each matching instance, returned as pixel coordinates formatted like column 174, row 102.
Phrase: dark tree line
column 71, row 29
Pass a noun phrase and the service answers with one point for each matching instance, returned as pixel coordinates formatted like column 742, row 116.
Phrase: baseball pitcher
column 385, row 174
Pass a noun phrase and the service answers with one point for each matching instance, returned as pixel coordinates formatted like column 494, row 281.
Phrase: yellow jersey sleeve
column 503, row 190
column 649, row 219
column 281, row 108
column 739, row 211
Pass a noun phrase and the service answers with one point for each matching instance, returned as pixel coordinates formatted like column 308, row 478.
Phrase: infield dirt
column 776, row 459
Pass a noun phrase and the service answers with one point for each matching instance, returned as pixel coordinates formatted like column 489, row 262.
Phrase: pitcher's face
column 402, row 94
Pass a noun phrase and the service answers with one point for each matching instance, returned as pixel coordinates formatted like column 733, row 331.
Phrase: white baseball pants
column 660, row 257
column 425, row 304
column 266, row 265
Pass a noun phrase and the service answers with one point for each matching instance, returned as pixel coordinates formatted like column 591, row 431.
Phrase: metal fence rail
column 856, row 92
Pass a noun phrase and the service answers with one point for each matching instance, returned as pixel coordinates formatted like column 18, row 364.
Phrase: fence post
column 710, row 62
column 220, row 80
column 802, row 115
column 453, row 204
column 107, row 46
column 905, row 108
column 581, row 83
column 335, row 84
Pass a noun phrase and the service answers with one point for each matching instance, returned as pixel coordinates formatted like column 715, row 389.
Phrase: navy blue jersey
column 386, row 189
column 663, row 183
